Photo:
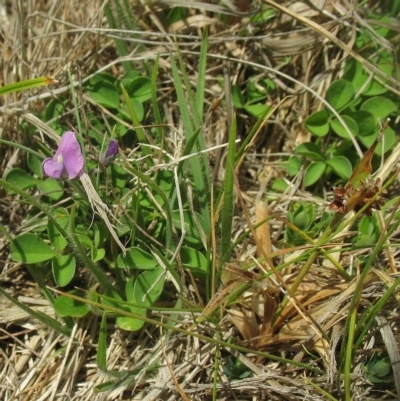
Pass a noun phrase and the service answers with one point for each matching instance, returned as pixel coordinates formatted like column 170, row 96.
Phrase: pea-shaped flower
column 68, row 160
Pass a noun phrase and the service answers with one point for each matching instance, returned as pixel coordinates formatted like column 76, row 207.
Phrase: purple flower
column 68, row 160
column 110, row 154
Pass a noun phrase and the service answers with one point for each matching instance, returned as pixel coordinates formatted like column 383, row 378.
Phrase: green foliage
column 153, row 209
column 368, row 232
column 63, row 269
column 302, row 222
column 67, row 306
column 253, row 98
column 105, row 90
column 378, row 369
column 29, row 248
column 21, row 179
column 194, row 260
column 161, row 206
column 26, row 85
column 235, row 369
column 359, row 104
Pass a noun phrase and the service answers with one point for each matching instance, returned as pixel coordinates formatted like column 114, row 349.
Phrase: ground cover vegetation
column 199, row 200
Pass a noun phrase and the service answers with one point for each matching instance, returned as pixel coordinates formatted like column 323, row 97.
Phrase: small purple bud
column 110, row 154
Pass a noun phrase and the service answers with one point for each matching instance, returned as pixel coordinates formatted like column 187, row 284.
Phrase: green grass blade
column 185, row 113
column 254, row 131
column 101, row 357
column 119, row 43
column 138, row 127
column 198, row 163
column 77, row 116
column 26, row 85
column 157, row 190
column 349, row 353
column 154, row 103
column 45, row 319
column 201, row 81
column 228, row 201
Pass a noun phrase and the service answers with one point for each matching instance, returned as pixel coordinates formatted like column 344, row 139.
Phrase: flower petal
column 72, row 154
column 52, row 168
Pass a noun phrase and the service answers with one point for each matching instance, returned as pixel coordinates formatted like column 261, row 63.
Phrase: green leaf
column 313, row 173
column 375, row 88
column 101, row 78
column 140, row 89
column 237, row 97
column 137, row 106
column 340, row 94
column 63, row 218
column 310, row 150
column 136, row 258
column 119, row 176
column 51, row 188
column 148, row 286
column 318, row 124
column 30, row 248
column 255, row 92
column 98, row 254
column 21, row 179
column 194, row 260
column 389, row 139
column 128, row 322
column 293, row 166
column 100, row 233
column 380, row 107
column 190, row 225
column 131, row 323
column 302, row 219
column 355, row 73
column 339, row 128
column 35, row 164
column 114, row 300
column 63, row 269
column 279, row 185
column 257, row 110
column 386, row 63
column 367, row 123
column 105, row 94
column 66, row 306
column 54, row 109
column 341, row 166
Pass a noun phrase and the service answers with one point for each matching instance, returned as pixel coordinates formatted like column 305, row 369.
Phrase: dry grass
column 49, row 38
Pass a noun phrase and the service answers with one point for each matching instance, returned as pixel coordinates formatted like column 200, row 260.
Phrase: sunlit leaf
column 314, row 172
column 30, row 248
